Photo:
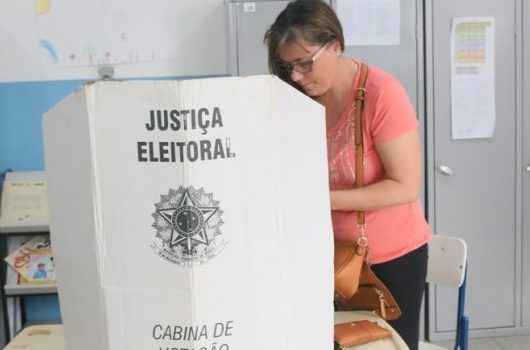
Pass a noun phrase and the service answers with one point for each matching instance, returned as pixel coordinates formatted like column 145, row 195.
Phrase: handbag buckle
column 361, row 93
column 362, row 242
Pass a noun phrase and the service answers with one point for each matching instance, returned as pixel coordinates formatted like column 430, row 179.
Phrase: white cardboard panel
column 242, row 217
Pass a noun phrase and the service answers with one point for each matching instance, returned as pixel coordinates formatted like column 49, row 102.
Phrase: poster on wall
column 370, row 22
column 473, row 77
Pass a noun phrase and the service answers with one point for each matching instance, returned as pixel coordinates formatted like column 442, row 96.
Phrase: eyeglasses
column 303, row 66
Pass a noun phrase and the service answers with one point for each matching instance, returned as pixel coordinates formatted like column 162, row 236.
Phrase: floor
column 498, row 343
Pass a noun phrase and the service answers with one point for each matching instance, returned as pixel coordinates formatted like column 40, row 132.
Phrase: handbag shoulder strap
column 358, row 107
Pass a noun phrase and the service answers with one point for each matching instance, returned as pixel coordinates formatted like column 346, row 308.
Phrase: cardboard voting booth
column 191, row 215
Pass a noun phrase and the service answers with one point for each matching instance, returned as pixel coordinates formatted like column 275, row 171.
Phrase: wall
column 21, row 109
column 71, row 39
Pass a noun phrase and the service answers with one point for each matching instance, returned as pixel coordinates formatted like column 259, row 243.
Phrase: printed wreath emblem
column 187, row 223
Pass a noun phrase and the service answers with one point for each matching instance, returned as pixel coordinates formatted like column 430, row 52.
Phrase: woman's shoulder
column 382, row 85
column 380, row 80
column 392, row 114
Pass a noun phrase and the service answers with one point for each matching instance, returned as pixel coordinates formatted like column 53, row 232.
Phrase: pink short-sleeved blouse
column 392, row 231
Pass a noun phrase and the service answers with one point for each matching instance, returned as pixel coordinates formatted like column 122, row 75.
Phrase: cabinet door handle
column 444, row 169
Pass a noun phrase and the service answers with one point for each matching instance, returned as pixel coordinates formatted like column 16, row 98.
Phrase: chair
column 447, row 266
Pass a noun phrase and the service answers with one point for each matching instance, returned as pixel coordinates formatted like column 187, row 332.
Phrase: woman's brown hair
column 311, row 20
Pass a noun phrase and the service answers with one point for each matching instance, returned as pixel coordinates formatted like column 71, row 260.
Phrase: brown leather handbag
column 356, row 285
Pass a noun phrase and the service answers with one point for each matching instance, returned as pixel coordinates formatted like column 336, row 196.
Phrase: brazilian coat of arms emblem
column 187, row 223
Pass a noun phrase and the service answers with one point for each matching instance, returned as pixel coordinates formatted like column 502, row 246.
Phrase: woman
column 306, row 47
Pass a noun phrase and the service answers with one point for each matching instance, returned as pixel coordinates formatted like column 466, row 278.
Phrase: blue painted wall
column 21, row 108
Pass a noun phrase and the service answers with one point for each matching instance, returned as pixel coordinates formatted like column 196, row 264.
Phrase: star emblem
column 188, row 222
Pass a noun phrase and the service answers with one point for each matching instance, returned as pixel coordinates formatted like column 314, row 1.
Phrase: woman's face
column 311, row 66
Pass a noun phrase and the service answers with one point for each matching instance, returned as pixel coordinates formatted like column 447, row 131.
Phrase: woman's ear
column 336, row 48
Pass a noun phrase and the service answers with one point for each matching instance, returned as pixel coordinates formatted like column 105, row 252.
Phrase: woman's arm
column 401, row 158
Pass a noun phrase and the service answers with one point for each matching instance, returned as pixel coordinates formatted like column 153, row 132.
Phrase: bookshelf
column 23, row 216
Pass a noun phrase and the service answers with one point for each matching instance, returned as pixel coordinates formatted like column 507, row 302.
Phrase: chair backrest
column 447, row 261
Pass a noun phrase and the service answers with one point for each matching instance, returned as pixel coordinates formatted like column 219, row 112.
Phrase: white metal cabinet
column 478, row 202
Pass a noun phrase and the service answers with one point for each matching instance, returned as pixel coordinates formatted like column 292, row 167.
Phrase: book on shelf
column 24, row 202
column 33, row 262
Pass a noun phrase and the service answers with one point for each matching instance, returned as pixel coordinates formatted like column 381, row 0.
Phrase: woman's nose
column 296, row 76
